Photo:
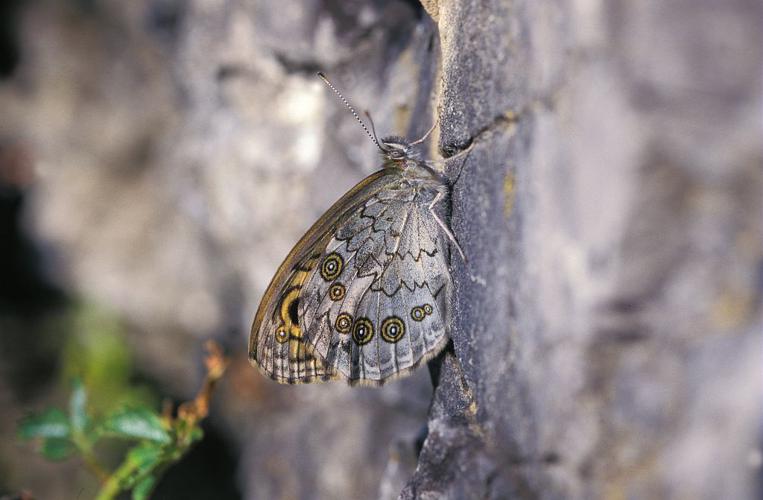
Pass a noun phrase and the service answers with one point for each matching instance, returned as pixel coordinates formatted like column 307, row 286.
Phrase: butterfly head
column 396, row 151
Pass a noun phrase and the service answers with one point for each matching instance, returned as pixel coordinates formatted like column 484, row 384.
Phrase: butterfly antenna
column 373, row 129
column 352, row 110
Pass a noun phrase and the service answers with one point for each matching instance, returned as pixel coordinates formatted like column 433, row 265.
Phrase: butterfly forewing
column 277, row 345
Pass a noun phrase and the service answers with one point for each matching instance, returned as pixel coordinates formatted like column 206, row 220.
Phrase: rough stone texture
column 609, row 322
column 607, row 340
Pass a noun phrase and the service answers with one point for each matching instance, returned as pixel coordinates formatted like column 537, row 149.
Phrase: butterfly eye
column 418, row 313
column 428, row 309
column 362, row 331
column 281, row 335
column 343, row 323
column 332, row 266
column 336, row 292
column 392, row 329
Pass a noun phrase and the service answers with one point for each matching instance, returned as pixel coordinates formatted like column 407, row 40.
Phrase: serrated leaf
column 77, row 406
column 52, row 423
column 136, row 423
column 56, row 448
column 142, row 490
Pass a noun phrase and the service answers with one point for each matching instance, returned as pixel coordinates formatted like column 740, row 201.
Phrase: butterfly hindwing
column 375, row 305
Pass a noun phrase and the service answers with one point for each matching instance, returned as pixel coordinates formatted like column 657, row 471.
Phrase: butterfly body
column 365, row 294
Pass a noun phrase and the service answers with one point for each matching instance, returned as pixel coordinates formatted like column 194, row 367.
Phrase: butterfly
column 365, row 294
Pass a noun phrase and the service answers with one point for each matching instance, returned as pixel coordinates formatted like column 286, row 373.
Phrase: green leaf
column 143, row 489
column 141, row 461
column 52, row 423
column 196, row 434
column 136, row 423
column 77, row 406
column 145, row 457
column 57, row 448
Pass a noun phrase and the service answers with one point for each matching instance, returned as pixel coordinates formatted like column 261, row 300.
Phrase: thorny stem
column 193, row 411
column 189, row 415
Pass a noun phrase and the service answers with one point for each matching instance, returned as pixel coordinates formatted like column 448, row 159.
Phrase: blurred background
column 158, row 159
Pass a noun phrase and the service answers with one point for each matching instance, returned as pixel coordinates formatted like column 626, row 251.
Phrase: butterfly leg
column 442, row 225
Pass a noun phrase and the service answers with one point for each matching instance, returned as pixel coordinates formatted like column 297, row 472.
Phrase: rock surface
column 608, row 321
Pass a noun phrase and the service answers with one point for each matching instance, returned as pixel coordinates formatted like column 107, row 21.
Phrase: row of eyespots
column 418, row 313
column 392, row 328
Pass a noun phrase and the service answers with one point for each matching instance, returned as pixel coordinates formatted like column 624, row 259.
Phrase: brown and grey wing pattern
column 377, row 304
column 276, row 344
column 279, row 349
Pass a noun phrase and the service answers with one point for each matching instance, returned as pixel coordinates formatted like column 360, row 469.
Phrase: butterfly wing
column 276, row 343
column 376, row 305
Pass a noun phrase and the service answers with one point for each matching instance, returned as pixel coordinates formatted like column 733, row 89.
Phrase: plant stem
column 89, row 458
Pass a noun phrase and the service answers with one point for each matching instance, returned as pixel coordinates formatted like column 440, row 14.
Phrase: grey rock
column 611, row 209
